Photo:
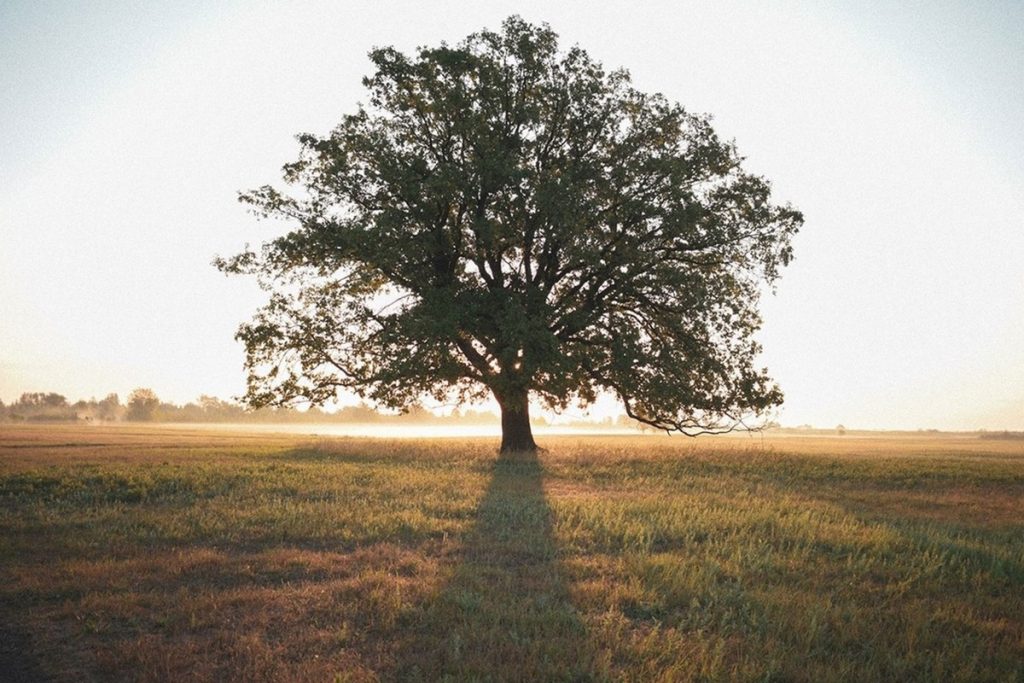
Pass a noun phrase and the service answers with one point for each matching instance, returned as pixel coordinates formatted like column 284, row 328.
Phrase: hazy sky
column 128, row 128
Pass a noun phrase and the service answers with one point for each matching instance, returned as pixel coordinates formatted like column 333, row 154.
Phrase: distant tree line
column 53, row 407
column 1003, row 435
column 143, row 405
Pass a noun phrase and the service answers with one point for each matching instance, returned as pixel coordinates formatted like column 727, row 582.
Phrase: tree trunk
column 516, row 434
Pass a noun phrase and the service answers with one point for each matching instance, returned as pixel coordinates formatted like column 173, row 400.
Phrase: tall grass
column 172, row 555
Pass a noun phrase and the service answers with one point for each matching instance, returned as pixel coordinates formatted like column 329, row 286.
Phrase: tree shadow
column 18, row 662
column 505, row 612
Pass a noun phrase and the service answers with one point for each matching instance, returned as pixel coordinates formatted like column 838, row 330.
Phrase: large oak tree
column 504, row 217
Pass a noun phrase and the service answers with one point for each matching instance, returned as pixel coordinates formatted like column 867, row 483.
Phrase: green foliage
column 505, row 217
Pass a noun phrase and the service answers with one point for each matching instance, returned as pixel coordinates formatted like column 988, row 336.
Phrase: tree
column 42, row 400
column 48, row 406
column 142, row 405
column 109, row 408
column 507, row 218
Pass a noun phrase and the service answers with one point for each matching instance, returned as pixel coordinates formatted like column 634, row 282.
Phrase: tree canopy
column 142, row 405
column 503, row 217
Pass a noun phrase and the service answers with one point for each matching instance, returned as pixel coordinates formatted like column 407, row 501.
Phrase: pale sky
column 128, row 128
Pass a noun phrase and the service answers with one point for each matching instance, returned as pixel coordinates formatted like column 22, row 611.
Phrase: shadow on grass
column 505, row 611
column 18, row 663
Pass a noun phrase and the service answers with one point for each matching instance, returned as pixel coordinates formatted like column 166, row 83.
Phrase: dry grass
column 155, row 554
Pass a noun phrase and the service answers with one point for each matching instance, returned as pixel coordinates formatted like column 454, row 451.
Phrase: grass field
column 155, row 554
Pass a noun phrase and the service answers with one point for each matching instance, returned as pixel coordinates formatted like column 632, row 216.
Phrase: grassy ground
column 148, row 554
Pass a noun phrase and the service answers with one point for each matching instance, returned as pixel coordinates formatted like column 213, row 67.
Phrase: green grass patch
column 162, row 555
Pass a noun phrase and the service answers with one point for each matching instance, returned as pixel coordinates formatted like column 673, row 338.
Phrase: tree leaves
column 503, row 217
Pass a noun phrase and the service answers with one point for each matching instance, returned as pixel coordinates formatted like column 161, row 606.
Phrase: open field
column 133, row 553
